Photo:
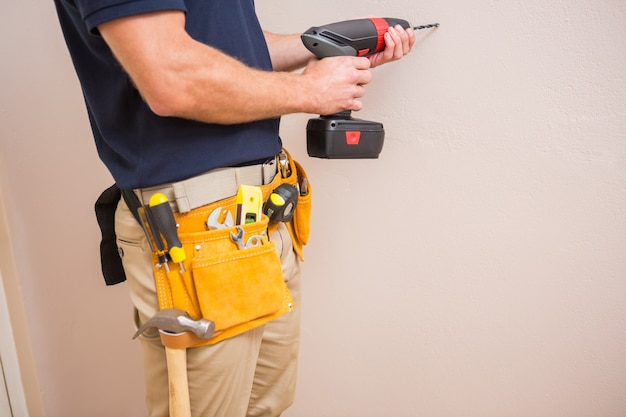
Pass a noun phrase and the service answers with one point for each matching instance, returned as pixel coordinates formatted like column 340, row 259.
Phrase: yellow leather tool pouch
column 237, row 288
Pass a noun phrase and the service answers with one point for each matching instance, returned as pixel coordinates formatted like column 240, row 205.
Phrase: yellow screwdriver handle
column 166, row 223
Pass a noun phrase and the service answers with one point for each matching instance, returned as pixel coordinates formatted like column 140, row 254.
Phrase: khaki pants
column 253, row 374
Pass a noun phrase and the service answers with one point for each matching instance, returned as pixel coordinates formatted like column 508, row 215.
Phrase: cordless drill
column 340, row 136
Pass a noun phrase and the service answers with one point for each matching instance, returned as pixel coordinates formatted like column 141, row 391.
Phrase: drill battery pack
column 339, row 136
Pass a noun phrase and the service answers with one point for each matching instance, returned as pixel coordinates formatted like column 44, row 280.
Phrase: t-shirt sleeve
column 96, row 12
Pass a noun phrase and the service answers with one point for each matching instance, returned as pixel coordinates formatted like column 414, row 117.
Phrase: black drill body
column 340, row 136
column 360, row 37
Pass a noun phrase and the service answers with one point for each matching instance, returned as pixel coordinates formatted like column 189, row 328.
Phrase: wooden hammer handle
column 178, row 383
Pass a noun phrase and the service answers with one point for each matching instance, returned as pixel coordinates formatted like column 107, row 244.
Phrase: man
column 179, row 88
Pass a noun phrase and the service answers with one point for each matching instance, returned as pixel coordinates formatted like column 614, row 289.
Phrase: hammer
column 174, row 323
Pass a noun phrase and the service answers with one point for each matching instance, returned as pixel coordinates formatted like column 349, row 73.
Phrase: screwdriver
column 166, row 225
column 160, row 247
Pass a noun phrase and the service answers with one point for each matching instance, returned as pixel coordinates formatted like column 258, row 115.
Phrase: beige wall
column 478, row 268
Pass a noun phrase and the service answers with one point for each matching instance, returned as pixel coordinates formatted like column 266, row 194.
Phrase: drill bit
column 432, row 25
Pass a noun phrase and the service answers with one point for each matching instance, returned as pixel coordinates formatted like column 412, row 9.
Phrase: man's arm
column 178, row 76
column 288, row 53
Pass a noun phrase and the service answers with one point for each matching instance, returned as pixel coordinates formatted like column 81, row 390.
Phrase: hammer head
column 172, row 320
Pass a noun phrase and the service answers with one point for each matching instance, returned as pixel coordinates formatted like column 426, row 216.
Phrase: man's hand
column 398, row 43
column 337, row 83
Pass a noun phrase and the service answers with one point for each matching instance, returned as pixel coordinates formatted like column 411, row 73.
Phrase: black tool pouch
column 109, row 256
column 105, row 207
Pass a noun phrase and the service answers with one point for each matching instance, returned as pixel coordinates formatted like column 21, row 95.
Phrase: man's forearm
column 287, row 51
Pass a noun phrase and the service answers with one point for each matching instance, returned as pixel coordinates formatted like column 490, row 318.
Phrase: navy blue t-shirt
column 139, row 148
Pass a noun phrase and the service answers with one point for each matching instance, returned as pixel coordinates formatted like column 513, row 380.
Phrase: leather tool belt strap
column 211, row 186
column 187, row 195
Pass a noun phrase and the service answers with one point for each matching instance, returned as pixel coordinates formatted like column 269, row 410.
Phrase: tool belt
column 237, row 287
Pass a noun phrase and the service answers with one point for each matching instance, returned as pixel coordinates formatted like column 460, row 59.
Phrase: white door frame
column 8, row 350
column 10, row 365
column 5, row 404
